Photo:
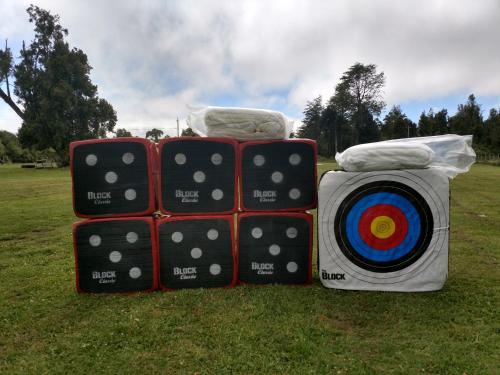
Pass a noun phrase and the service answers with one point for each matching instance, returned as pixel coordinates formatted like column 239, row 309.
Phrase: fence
column 487, row 156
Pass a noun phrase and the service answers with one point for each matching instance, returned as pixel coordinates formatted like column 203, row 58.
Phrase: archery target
column 196, row 252
column 112, row 177
column 197, row 175
column 278, row 175
column 115, row 255
column 385, row 230
column 274, row 248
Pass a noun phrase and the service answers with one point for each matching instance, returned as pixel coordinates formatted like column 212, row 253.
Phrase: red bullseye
column 377, row 211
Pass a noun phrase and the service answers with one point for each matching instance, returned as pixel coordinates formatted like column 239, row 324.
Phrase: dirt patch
column 342, row 325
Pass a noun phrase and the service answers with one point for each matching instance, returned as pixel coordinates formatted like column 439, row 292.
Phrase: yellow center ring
column 383, row 227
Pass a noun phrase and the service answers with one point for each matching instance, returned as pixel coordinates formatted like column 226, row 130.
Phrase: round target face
column 383, row 226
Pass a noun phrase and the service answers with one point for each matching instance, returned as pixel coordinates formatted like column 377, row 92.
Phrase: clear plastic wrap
column 451, row 153
column 383, row 156
column 243, row 124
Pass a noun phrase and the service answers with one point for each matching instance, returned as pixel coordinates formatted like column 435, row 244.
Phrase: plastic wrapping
column 243, row 124
column 452, row 154
column 381, row 156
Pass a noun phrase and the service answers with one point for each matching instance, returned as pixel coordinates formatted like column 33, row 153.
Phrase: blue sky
column 153, row 59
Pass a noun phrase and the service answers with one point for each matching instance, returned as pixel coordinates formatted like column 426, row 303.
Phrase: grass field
column 45, row 327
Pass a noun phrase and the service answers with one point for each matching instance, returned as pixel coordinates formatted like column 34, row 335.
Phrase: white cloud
column 153, row 58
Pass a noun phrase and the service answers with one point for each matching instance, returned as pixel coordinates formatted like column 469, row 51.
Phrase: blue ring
column 410, row 240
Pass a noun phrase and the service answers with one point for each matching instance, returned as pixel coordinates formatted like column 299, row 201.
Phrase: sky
column 154, row 60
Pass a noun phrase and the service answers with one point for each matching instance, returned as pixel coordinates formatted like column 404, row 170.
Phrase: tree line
column 351, row 116
column 11, row 149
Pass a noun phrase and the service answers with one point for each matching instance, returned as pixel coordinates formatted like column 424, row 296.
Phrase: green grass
column 45, row 327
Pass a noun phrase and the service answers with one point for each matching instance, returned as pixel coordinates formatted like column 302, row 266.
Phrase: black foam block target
column 196, row 251
column 112, row 177
column 115, row 255
column 198, row 175
column 278, row 175
column 274, row 248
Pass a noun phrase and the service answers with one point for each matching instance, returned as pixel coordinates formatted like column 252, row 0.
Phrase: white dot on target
column 292, row 267
column 213, row 234
column 196, row 253
column 277, row 177
column 130, row 194
column 91, row 160
column 215, row 269
column 128, row 158
column 180, row 159
column 217, row 194
column 291, row 232
column 132, row 237
column 216, row 159
column 295, row 159
column 177, row 237
column 199, row 176
column 111, row 177
column 95, row 240
column 259, row 160
column 115, row 256
column 274, row 249
column 135, row 272
column 257, row 232
column 294, row 193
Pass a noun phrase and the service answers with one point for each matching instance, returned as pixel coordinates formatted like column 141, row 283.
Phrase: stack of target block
column 230, row 212
column 197, row 190
column 228, row 205
column 114, row 189
column 277, row 185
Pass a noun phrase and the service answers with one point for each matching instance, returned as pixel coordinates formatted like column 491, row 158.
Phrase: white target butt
column 384, row 230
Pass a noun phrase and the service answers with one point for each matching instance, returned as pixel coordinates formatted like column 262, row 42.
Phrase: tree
column 13, row 150
column 440, row 123
column 397, row 125
column 6, row 71
column 492, row 129
column 469, row 120
column 366, row 126
column 188, row 132
column 425, row 124
column 121, row 133
column 154, row 134
column 312, row 116
column 3, row 152
column 330, row 126
column 54, row 94
column 324, row 124
column 358, row 97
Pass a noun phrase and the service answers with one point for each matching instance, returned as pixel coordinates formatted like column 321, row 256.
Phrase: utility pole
column 178, row 127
